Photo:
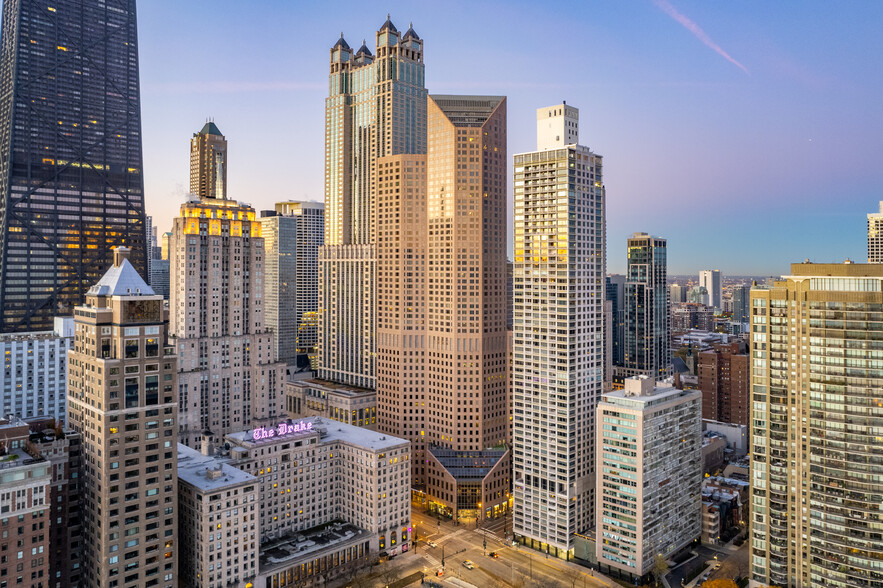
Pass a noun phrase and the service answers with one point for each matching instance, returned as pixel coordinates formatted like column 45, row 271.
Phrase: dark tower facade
column 71, row 183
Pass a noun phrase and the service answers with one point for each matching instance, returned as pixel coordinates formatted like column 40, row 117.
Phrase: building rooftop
column 208, row 473
column 343, row 389
column 328, row 431
column 210, row 128
column 305, row 544
column 467, row 111
column 642, row 392
column 122, row 279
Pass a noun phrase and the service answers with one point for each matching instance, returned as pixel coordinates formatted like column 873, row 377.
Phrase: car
column 493, row 554
column 468, row 564
column 432, row 543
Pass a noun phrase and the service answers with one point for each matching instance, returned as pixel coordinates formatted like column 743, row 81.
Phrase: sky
column 748, row 134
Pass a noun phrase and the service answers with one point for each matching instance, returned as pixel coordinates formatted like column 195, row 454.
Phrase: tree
column 389, row 573
column 719, row 583
column 660, row 568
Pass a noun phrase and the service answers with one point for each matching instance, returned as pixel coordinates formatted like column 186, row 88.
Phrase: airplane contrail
column 697, row 32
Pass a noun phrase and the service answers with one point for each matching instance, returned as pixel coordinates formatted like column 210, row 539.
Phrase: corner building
column 441, row 322
column 558, row 348
column 122, row 399
column 816, row 456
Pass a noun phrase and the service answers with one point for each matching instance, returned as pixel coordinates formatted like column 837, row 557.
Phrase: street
column 515, row 566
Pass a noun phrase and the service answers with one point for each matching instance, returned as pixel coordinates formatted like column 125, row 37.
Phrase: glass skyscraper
column 71, row 186
column 646, row 330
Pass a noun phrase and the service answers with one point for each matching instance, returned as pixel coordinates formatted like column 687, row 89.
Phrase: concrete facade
column 650, row 474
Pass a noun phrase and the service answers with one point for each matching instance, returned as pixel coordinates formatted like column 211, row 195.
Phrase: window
column 132, row 349
column 151, row 391
column 132, row 392
column 151, row 348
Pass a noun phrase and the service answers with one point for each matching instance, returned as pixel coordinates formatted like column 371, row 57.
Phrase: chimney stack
column 119, row 254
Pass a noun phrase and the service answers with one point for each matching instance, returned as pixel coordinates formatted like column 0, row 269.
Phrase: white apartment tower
column 875, row 236
column 649, row 456
column 711, row 280
column 229, row 377
column 34, row 375
column 558, row 344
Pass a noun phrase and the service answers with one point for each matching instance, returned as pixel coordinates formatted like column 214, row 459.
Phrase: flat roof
column 328, row 430
column 331, row 386
column 193, row 467
column 308, row 544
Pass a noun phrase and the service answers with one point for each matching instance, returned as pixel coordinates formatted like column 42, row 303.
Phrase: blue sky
column 748, row 134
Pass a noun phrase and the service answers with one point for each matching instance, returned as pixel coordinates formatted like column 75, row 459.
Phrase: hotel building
column 218, row 522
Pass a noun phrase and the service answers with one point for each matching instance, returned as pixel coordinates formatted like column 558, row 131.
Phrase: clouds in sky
column 697, row 31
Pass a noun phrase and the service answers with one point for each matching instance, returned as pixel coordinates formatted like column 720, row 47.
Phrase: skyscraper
column 122, row 398
column 229, row 377
column 442, row 352
column 558, row 345
column 71, row 184
column 741, row 303
column 208, row 163
column 646, row 329
column 711, row 280
column 376, row 107
column 677, row 293
column 817, row 417
column 292, row 234
column 615, row 292
column 875, row 236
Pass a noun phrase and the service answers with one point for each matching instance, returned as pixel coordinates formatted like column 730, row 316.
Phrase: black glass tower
column 71, row 186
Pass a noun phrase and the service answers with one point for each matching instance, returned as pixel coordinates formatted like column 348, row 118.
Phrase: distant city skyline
column 744, row 171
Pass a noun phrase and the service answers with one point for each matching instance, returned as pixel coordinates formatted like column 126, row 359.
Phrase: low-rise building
column 305, row 397
column 724, row 508
column 33, row 378
column 218, row 516
column 735, row 434
column 714, row 447
column 62, row 449
column 649, row 480
column 25, row 487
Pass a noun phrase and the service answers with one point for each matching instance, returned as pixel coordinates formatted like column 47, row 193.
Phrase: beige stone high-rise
column 817, row 423
column 230, row 379
column 208, row 163
column 122, row 398
column 441, row 324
